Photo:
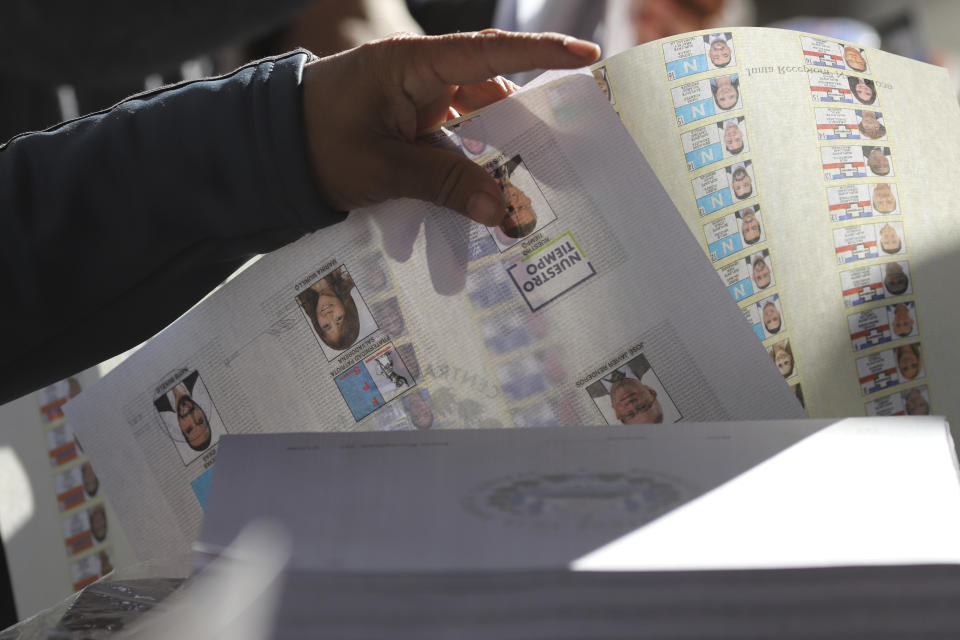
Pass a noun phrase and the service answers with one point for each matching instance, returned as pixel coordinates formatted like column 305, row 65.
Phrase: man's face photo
column 91, row 484
column 916, row 404
column 749, row 226
column 889, row 239
column 896, row 280
column 878, row 162
column 771, row 318
column 742, row 184
column 883, row 199
column 105, row 565
column 732, row 138
column 521, row 219
column 98, row 522
column 421, row 415
column 193, row 423
column 854, row 59
column 908, row 361
column 472, row 145
column 870, row 125
column 902, row 320
column 719, row 53
column 761, row 273
column 635, row 403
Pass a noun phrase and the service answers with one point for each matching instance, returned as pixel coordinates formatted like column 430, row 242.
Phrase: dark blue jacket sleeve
column 113, row 224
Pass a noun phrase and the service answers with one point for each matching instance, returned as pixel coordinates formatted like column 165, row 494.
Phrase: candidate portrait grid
column 870, row 244
column 345, row 305
column 714, row 134
column 525, row 367
column 80, row 501
column 522, row 367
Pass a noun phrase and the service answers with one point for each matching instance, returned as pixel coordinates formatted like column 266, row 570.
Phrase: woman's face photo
column 771, row 318
column 193, row 423
column 727, row 96
column 878, row 162
column 330, row 315
column 784, row 362
column 864, row 92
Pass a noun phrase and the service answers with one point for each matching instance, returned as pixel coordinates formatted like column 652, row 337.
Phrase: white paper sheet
column 853, row 491
column 471, row 329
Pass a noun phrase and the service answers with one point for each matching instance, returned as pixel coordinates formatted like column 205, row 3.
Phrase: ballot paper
column 818, row 177
column 686, row 496
column 591, row 304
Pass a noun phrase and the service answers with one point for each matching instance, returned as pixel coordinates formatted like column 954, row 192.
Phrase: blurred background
column 58, row 60
column 61, row 60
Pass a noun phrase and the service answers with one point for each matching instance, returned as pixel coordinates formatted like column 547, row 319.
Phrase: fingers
column 447, row 179
column 469, row 58
column 475, row 96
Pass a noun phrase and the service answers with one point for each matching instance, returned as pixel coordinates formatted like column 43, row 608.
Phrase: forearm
column 114, row 224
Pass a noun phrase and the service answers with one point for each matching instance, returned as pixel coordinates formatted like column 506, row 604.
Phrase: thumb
column 449, row 180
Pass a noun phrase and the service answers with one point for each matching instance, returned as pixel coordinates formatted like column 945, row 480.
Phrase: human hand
column 364, row 107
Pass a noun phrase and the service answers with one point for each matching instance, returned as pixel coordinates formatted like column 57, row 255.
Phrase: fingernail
column 582, row 48
column 484, row 208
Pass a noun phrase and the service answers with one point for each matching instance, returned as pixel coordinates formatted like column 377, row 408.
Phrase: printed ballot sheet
column 607, row 498
column 817, row 176
column 521, row 499
column 590, row 304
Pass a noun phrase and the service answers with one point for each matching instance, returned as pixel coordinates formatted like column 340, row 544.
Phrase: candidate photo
column 726, row 91
column 633, row 394
column 771, row 316
column 896, row 279
column 189, row 417
column 472, row 137
column 719, row 51
column 782, row 355
column 527, row 208
column 741, row 180
column 903, row 320
column 884, row 198
column 336, row 312
column 863, row 90
column 600, row 75
column 751, row 229
column 731, row 133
